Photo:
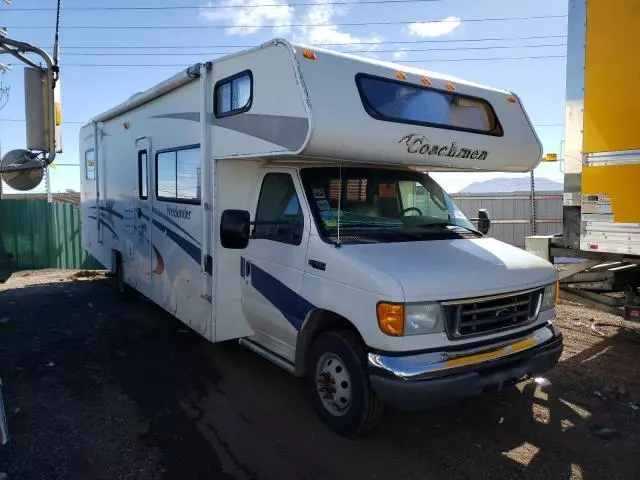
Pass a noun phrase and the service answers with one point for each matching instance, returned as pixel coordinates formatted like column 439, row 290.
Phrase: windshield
column 382, row 205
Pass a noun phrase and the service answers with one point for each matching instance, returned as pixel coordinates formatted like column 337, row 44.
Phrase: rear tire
column 339, row 384
column 124, row 290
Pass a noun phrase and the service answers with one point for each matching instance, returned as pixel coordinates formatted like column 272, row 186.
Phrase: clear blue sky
column 90, row 89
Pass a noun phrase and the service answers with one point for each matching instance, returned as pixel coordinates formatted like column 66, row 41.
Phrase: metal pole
column 533, row 204
column 47, row 173
column 4, row 99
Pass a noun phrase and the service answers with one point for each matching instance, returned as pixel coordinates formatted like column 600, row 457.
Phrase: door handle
column 139, row 212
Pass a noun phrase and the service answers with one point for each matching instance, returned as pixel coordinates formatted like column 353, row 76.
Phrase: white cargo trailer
column 278, row 196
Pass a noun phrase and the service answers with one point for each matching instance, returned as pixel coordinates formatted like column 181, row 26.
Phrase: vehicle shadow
column 563, row 429
column 103, row 388
column 557, row 428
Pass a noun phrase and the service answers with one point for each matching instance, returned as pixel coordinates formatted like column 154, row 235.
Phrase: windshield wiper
column 373, row 228
column 446, row 225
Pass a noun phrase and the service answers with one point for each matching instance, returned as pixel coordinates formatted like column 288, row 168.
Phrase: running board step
column 268, row 354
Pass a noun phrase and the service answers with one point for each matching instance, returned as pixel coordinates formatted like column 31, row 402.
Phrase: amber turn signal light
column 391, row 318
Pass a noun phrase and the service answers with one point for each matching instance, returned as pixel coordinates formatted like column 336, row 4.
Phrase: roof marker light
column 309, row 55
column 449, row 86
column 426, row 82
column 401, row 75
column 511, row 99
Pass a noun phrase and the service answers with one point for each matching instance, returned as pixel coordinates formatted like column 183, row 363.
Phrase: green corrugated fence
column 43, row 235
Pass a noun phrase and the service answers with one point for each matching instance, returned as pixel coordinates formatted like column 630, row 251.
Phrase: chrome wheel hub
column 333, row 384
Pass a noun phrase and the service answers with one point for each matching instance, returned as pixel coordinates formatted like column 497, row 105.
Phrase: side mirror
column 484, row 224
column 234, row 229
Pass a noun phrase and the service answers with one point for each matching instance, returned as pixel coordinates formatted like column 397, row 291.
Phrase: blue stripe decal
column 109, row 227
column 293, row 306
column 167, row 219
column 190, row 249
column 111, row 211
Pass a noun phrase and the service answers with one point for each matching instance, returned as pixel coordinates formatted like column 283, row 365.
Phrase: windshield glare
column 382, row 204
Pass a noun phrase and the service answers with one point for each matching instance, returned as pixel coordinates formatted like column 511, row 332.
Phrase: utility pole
column 4, row 92
column 4, row 99
column 533, row 203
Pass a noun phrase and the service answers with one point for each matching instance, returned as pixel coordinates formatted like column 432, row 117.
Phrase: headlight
column 398, row 319
column 423, row 318
column 549, row 297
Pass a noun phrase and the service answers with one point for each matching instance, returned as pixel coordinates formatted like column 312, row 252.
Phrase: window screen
column 356, row 189
column 234, row 95
column 394, row 101
column 143, row 191
column 278, row 216
column 178, row 175
column 90, row 164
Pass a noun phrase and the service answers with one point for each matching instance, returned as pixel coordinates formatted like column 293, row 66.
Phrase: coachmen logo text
column 419, row 144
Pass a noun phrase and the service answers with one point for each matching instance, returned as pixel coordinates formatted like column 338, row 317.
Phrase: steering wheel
column 409, row 209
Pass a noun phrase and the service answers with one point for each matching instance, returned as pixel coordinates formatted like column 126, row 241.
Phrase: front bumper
column 427, row 380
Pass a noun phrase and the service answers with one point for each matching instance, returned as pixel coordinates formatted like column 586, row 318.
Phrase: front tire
column 339, row 384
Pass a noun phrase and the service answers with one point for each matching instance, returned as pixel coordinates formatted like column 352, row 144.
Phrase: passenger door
column 142, row 217
column 273, row 264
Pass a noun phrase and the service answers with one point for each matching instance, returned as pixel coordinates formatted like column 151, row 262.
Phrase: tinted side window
column 178, row 175
column 143, row 191
column 395, row 101
column 278, row 216
column 166, row 171
column 90, row 164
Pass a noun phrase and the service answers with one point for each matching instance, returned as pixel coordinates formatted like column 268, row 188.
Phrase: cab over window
column 234, row 95
column 278, row 216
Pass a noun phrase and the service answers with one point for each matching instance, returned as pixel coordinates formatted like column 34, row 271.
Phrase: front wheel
column 339, row 382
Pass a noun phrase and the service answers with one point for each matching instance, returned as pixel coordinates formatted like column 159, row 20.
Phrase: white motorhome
column 278, row 196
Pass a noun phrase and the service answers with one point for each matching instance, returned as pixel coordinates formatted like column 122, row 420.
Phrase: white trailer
column 298, row 219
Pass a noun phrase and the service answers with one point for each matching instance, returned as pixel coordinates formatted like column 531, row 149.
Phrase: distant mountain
column 507, row 185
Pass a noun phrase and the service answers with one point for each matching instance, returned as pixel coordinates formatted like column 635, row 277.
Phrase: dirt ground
column 98, row 389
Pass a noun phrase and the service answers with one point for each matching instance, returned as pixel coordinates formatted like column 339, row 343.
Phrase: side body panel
column 277, row 121
column 611, row 144
column 174, row 228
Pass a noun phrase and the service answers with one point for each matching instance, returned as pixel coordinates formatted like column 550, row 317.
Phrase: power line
column 432, row 60
column 350, row 24
column 481, row 59
column 22, row 120
column 219, row 7
column 118, row 54
column 77, row 122
column 388, row 42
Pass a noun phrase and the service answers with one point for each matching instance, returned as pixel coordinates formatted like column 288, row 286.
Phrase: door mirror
column 484, row 224
column 234, row 229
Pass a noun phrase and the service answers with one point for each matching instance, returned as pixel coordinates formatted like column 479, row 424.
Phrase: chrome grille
column 476, row 316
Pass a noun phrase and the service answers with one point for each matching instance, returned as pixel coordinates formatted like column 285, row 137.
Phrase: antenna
column 338, row 244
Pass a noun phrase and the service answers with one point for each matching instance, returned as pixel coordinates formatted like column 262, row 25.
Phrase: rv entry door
column 142, row 254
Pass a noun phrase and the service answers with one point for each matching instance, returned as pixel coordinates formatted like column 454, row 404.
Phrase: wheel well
column 318, row 321
column 116, row 258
